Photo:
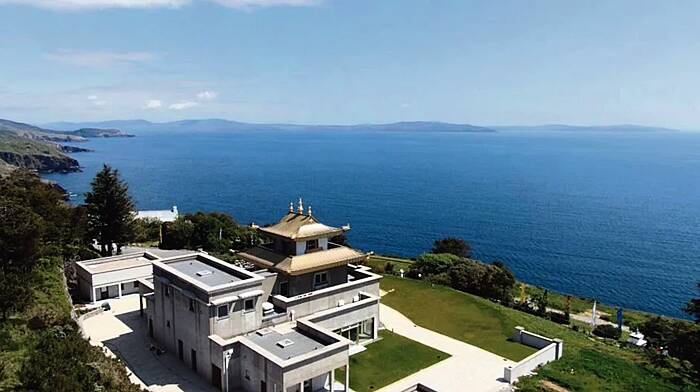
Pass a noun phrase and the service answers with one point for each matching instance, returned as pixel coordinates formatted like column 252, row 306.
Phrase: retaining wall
column 549, row 350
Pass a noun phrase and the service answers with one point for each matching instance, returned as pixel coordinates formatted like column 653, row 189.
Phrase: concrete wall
column 330, row 297
column 550, row 350
column 122, row 275
column 255, row 368
column 527, row 365
column 349, row 314
column 305, row 283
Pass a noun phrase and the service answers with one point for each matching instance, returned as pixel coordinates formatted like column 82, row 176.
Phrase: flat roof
column 204, row 273
column 115, row 263
column 278, row 342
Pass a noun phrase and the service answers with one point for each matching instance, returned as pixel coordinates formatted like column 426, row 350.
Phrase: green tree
column 502, row 282
column 147, row 230
column 452, row 245
column 693, row 307
column 432, row 264
column 109, row 211
column 20, row 233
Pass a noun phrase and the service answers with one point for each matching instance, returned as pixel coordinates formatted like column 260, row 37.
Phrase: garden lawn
column 587, row 364
column 455, row 314
column 388, row 360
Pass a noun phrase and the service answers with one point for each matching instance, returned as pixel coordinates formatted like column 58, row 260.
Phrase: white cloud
column 99, row 59
column 95, row 100
column 183, row 105
column 153, row 104
column 74, row 5
column 265, row 3
column 207, row 95
column 97, row 4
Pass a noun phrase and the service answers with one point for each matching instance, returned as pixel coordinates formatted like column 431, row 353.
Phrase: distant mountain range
column 219, row 125
column 583, row 128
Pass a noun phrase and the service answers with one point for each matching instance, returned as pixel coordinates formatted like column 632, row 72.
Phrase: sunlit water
column 614, row 217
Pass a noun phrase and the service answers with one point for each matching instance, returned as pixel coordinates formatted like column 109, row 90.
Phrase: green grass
column 20, row 145
column 388, row 360
column 378, row 263
column 16, row 338
column 587, row 365
column 455, row 314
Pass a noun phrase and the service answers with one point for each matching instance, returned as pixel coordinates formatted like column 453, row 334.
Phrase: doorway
column 215, row 376
column 193, row 357
column 180, row 350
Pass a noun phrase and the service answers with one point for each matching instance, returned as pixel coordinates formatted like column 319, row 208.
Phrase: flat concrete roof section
column 115, row 263
column 279, row 343
column 204, row 273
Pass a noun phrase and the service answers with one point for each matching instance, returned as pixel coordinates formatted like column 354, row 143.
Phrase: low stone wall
column 549, row 350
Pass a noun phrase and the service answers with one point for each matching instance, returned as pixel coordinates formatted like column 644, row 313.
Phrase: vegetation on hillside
column 212, row 232
column 41, row 348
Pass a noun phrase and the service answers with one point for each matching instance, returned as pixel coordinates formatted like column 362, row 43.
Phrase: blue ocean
column 610, row 216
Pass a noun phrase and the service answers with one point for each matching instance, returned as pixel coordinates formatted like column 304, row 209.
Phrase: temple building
column 284, row 320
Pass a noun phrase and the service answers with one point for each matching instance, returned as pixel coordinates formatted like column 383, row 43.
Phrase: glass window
column 320, row 279
column 249, row 304
column 311, row 245
column 191, row 305
column 136, row 283
column 222, row 311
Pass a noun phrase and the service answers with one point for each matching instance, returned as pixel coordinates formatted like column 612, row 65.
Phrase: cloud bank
column 75, row 5
column 99, row 59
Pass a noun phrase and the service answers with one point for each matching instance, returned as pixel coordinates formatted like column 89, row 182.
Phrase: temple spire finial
column 309, row 210
column 291, row 206
column 301, row 206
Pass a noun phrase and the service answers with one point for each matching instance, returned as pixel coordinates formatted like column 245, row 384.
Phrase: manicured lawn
column 455, row 314
column 587, row 365
column 388, row 360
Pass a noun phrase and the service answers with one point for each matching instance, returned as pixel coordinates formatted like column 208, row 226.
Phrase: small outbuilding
column 114, row 276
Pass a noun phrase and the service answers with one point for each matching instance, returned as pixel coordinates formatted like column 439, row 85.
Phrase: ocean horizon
column 609, row 216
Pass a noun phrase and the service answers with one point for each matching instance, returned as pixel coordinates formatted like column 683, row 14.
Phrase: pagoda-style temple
column 300, row 249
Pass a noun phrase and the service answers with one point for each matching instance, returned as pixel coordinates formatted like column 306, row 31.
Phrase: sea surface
column 610, row 216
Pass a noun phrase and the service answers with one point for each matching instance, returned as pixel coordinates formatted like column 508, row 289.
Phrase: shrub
column 452, row 245
column 389, row 267
column 607, row 331
column 432, row 264
column 441, row 279
column 559, row 318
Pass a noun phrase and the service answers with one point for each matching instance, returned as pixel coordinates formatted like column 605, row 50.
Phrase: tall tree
column 19, row 251
column 693, row 307
column 452, row 245
column 110, row 211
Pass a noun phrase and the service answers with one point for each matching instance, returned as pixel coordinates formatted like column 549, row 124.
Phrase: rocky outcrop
column 41, row 163
column 73, row 149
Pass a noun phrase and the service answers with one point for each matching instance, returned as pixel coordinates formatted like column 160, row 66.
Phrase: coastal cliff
column 41, row 163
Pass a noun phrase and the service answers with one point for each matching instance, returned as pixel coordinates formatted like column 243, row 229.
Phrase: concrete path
column 468, row 369
column 121, row 332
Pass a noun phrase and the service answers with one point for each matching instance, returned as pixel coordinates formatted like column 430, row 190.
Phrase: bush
column 559, row 318
column 485, row 280
column 441, row 279
column 452, row 245
column 432, row 264
column 607, row 331
column 389, row 267
column 147, row 230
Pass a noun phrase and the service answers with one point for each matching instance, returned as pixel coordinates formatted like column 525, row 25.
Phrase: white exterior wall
column 326, row 299
column 527, row 365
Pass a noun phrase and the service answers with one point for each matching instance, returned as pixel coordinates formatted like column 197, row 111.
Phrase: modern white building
column 112, row 277
column 285, row 325
column 162, row 215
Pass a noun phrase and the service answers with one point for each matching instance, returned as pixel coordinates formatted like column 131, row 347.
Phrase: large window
column 222, row 311
column 249, row 304
column 311, row 245
column 320, row 279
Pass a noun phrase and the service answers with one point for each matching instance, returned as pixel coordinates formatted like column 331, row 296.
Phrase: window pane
column 223, row 311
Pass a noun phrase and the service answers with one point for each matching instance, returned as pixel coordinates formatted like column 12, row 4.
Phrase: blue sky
column 352, row 61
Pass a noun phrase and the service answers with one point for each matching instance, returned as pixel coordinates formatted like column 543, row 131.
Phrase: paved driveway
column 122, row 331
column 468, row 369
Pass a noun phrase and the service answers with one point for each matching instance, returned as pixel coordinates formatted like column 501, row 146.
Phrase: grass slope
column 389, row 360
column 587, row 364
